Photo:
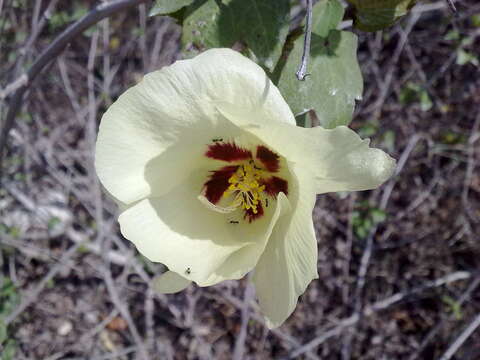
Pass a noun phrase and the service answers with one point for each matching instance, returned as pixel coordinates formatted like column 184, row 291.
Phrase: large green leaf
column 164, row 7
column 374, row 15
column 326, row 16
column 335, row 80
column 262, row 25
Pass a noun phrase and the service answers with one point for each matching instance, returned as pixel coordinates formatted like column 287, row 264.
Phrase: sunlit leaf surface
column 163, row 7
column 260, row 25
column 373, row 15
column 335, row 80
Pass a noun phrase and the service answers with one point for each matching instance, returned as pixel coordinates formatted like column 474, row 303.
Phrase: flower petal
column 338, row 158
column 244, row 260
column 163, row 232
column 178, row 106
column 289, row 261
column 235, row 84
column 169, row 283
column 178, row 230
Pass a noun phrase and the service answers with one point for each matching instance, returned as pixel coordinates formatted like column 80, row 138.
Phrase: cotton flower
column 214, row 179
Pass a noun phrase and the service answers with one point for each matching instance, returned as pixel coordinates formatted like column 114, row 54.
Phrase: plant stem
column 302, row 69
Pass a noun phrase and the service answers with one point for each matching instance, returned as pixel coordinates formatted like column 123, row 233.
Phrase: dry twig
column 375, row 307
column 239, row 349
column 453, row 348
column 302, row 69
column 50, row 53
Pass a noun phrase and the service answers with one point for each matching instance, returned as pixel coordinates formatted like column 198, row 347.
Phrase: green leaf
column 164, row 7
column 9, row 350
column 409, row 93
column 334, row 83
column 425, row 101
column 389, row 140
column 464, row 57
column 3, row 332
column 374, row 15
column 475, row 19
column 452, row 35
column 368, row 130
column 412, row 92
column 378, row 215
column 262, row 25
column 326, row 16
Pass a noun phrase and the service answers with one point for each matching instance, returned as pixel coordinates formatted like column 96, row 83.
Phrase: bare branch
column 302, row 69
column 239, row 350
column 51, row 52
column 125, row 312
column 451, row 5
column 453, row 348
column 13, row 86
column 375, row 307
column 33, row 295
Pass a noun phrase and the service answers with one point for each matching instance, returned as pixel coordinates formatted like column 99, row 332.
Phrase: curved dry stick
column 50, row 53
column 453, row 348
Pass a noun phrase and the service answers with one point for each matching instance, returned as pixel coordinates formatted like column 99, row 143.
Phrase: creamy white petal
column 180, row 238
column 289, row 261
column 169, row 283
column 156, row 128
column 178, row 230
column 244, row 260
column 338, row 158
column 233, row 82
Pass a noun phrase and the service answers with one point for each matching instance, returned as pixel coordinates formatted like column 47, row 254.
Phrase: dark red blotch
column 268, row 158
column 275, row 185
column 218, row 183
column 250, row 215
column 227, row 152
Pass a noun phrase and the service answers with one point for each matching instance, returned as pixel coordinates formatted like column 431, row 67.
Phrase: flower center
column 247, row 180
column 245, row 188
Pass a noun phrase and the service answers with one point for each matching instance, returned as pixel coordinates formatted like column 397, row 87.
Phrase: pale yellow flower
column 214, row 178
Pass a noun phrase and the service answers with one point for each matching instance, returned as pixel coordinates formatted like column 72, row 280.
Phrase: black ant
column 217, row 140
column 266, row 202
column 188, row 271
column 234, row 222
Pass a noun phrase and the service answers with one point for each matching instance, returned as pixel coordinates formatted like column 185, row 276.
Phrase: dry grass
column 403, row 287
